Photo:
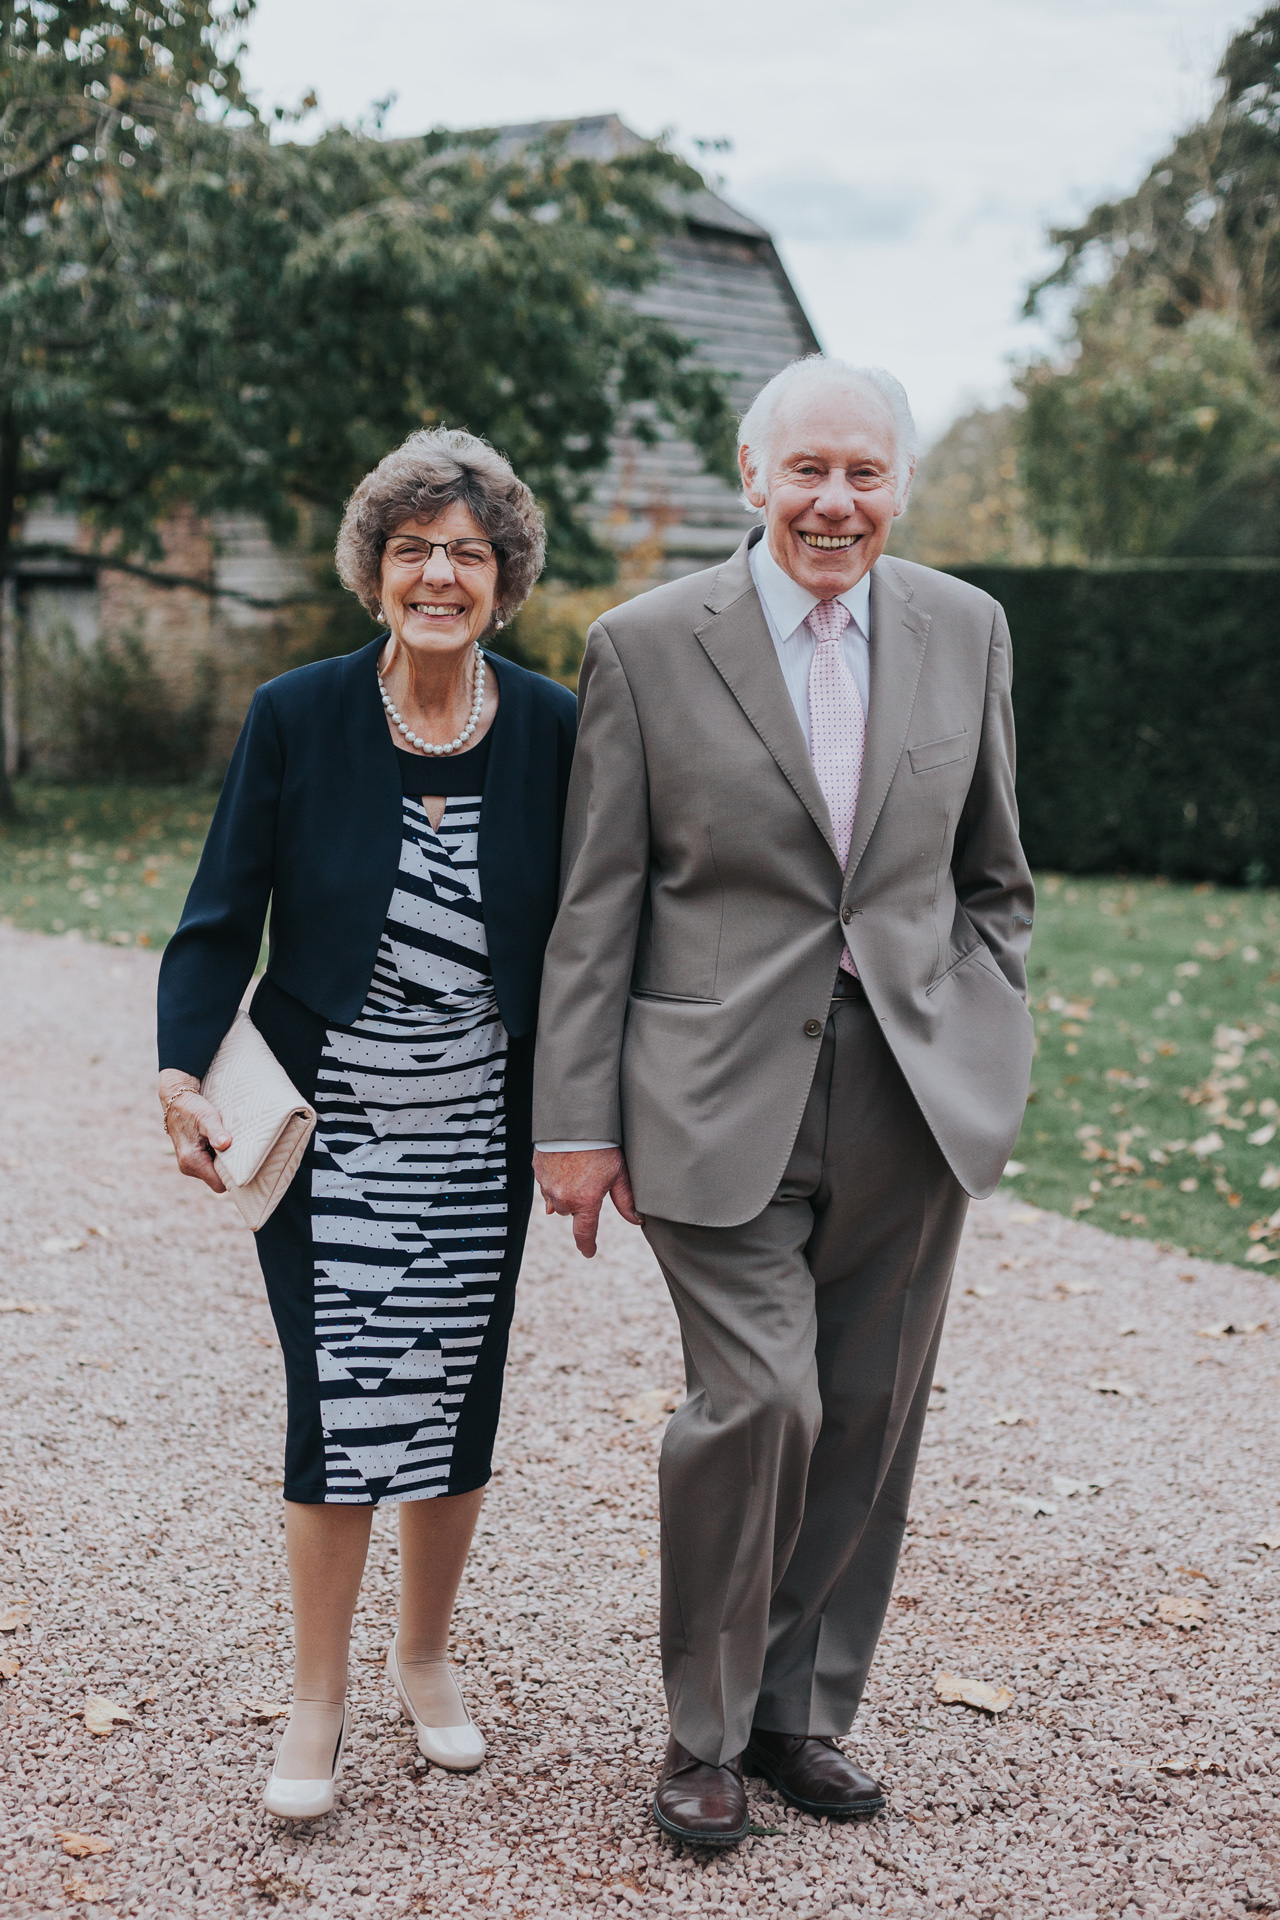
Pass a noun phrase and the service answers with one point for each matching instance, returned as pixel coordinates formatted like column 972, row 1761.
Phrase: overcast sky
column 908, row 156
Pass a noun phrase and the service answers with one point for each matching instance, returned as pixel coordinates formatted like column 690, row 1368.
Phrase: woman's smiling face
column 432, row 600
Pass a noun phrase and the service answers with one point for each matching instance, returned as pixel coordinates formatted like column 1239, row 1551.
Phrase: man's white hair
column 755, row 431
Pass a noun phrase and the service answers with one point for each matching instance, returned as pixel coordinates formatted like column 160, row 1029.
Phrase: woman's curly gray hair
column 431, row 471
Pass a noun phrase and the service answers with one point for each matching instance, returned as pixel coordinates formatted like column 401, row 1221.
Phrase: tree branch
column 104, row 563
column 17, row 176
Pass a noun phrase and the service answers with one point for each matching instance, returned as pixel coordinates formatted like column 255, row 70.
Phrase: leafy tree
column 967, row 500
column 1241, row 518
column 1118, row 447
column 335, row 297
column 1202, row 233
column 1172, row 382
column 193, row 315
column 93, row 96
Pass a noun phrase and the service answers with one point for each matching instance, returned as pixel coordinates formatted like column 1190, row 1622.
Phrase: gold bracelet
column 166, row 1104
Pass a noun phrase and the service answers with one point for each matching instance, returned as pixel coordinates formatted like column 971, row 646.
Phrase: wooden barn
column 724, row 287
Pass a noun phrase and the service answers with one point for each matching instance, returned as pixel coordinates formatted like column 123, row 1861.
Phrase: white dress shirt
column 787, row 605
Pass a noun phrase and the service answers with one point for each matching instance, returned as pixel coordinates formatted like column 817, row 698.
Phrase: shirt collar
column 789, row 605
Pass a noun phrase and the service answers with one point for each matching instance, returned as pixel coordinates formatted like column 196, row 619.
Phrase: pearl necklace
column 425, row 746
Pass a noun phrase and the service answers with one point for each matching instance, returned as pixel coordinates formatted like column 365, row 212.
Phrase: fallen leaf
column 1225, row 1328
column 1009, row 1417
column 275, row 1887
column 1270, row 1177
column 261, row 1710
column 1189, row 1185
column 1121, row 1387
column 1269, row 1540
column 1258, row 1255
column 23, row 1306
column 1076, row 1287
column 1081, row 1203
column 90, row 1360
column 1128, row 1327
column 76, row 1887
column 103, row 1716
column 954, row 1691
column 9, row 1667
column 1186, row 1764
column 15, row 1617
column 1030, row 1504
column 646, row 1409
column 1067, row 1488
column 982, row 1293
column 1014, row 1167
column 1180, row 1611
column 64, row 1245
column 1023, row 1216
column 81, row 1845
column 1194, row 1573
column 1263, row 1137
column 1207, row 1143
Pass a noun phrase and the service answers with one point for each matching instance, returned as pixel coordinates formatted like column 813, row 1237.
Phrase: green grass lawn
column 1157, row 1075
column 1155, row 1105
column 113, row 862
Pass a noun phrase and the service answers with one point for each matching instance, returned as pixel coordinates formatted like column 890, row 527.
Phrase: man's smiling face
column 828, row 485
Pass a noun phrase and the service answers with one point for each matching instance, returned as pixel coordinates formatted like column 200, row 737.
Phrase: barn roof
column 725, row 288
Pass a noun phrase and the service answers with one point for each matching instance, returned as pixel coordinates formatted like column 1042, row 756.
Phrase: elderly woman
column 400, row 808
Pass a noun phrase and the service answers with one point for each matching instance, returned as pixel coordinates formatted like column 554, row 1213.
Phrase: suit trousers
column 810, row 1335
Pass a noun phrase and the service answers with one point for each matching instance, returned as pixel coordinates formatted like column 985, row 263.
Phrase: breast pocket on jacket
column 939, row 753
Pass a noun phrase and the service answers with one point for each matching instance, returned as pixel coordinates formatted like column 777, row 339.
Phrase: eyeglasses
column 459, row 553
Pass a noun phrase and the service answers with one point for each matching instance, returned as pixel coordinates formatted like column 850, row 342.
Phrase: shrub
column 103, row 712
column 1148, row 711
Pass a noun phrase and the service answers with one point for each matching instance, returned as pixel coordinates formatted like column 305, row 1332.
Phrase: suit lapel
column 737, row 641
column 899, row 637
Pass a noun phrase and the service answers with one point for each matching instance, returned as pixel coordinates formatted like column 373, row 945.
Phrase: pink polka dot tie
column 837, row 728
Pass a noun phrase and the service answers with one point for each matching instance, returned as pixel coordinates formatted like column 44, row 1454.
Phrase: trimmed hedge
column 1147, row 698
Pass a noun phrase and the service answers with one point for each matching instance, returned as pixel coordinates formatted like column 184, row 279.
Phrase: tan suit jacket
column 690, row 968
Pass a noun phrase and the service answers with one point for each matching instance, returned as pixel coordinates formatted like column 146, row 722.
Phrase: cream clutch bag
column 268, row 1120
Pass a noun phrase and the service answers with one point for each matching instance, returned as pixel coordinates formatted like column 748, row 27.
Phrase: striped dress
column 409, row 1188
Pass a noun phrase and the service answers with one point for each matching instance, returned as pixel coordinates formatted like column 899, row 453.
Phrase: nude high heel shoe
column 460, row 1749
column 304, row 1799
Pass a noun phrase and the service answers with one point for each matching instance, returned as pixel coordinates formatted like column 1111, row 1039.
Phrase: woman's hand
column 194, row 1125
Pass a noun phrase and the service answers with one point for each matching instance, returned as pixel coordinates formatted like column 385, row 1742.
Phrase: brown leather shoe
column 705, row 1805
column 813, row 1774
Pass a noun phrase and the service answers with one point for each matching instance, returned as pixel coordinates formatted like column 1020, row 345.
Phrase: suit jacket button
column 846, row 914
column 813, row 1028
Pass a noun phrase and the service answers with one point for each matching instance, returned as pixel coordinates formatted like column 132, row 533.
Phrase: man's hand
column 576, row 1184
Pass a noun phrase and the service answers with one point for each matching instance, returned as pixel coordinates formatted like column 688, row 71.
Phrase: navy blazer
column 309, row 819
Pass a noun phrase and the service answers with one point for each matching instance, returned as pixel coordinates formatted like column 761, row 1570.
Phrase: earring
column 498, row 625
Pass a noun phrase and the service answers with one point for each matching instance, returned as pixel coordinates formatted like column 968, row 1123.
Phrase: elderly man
column 787, row 983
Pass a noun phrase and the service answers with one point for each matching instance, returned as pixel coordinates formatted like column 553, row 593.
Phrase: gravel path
column 143, row 1530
